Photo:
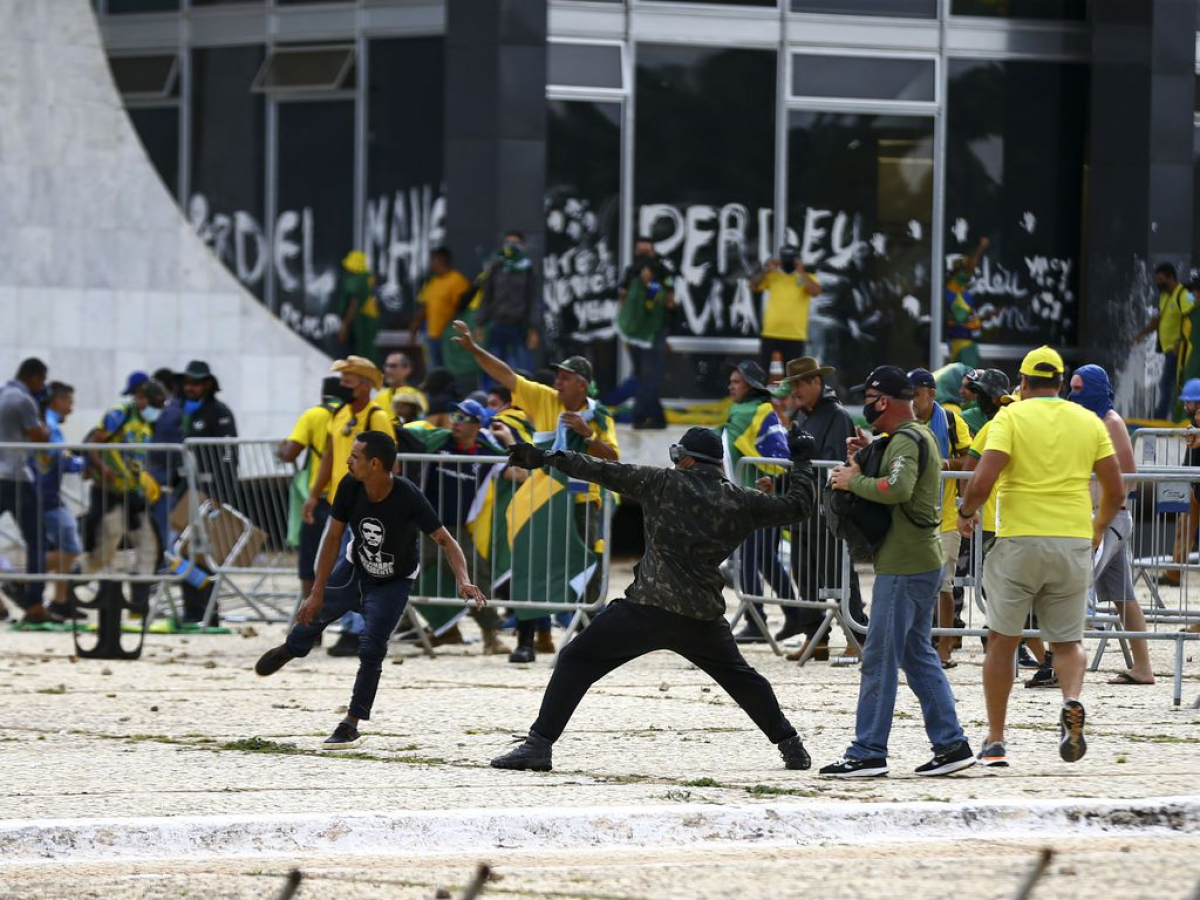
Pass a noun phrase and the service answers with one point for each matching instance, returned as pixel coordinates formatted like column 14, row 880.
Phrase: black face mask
column 787, row 262
column 871, row 411
column 642, row 261
column 342, row 393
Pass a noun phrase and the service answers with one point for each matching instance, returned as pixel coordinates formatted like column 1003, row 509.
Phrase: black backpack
column 863, row 524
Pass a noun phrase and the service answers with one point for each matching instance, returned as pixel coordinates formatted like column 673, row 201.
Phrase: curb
column 680, row 826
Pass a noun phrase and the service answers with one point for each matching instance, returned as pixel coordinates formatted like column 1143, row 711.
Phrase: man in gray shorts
column 1040, row 455
column 1092, row 390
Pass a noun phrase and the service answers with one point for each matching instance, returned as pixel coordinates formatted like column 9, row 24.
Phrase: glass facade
column 881, row 159
column 860, row 210
column 704, row 188
column 1015, row 144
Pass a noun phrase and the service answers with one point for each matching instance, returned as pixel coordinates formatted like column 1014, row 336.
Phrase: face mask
column 642, row 261
column 871, row 412
column 787, row 262
column 150, row 414
column 342, row 393
column 513, row 249
column 191, row 406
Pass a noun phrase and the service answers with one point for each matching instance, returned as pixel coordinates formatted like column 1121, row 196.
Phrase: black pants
column 624, row 631
column 787, row 349
column 821, row 567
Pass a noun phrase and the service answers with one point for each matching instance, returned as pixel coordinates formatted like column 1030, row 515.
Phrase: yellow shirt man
column 987, row 514
column 440, row 297
column 785, row 316
column 311, row 432
column 1043, row 490
column 344, row 428
column 1173, row 307
column 960, row 441
column 541, row 404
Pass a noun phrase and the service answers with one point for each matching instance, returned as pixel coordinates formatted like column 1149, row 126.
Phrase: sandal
column 1126, row 678
column 949, row 664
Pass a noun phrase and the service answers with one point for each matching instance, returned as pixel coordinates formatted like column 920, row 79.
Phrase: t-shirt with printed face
column 385, row 533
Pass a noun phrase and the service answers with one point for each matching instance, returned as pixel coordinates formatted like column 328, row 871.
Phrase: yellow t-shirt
column 959, row 442
column 1173, row 308
column 987, row 514
column 311, row 431
column 371, row 418
column 1052, row 446
column 440, row 297
column 786, row 313
column 541, row 404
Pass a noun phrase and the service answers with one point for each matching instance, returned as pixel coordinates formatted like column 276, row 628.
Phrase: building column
column 495, row 126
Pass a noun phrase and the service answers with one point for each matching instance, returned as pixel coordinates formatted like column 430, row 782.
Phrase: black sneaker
column 793, row 753
column 1025, row 659
column 523, row 654
column 856, row 768
column 1071, row 745
column 344, row 737
column 273, row 660
column 955, row 759
column 534, row 755
column 347, row 645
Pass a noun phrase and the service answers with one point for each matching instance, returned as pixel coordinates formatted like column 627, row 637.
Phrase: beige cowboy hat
column 361, row 366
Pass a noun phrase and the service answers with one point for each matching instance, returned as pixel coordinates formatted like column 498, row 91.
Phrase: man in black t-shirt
column 386, row 515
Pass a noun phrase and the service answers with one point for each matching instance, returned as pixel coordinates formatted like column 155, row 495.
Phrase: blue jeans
column 381, row 606
column 433, row 349
column 1166, row 386
column 19, row 499
column 648, row 366
column 352, row 622
column 508, row 343
column 898, row 638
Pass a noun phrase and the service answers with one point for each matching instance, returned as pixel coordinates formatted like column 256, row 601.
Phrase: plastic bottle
column 192, row 573
column 776, row 373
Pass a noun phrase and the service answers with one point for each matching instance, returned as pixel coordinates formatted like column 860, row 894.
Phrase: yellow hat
column 361, row 366
column 355, row 262
column 1044, row 362
column 411, row 396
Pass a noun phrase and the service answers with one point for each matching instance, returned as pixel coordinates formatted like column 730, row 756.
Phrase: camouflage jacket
column 694, row 519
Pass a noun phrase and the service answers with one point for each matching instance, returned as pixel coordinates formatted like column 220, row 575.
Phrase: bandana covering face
column 1097, row 392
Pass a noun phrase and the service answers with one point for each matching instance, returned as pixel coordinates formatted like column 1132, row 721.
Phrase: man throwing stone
column 1043, row 450
column 694, row 518
column 385, row 513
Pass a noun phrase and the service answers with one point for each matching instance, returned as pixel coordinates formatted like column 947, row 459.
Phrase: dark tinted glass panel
column 860, row 201
column 770, row 3
column 862, row 77
column 118, row 7
column 158, row 130
column 704, row 189
column 583, row 65
column 228, row 126
column 315, row 227
column 916, row 9
column 306, row 69
column 406, row 205
column 143, row 74
column 1014, row 174
column 227, row 2
column 1021, row 9
column 583, row 226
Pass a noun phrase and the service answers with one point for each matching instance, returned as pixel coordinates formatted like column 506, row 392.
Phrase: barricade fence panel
column 1160, row 550
column 536, row 543
column 87, row 513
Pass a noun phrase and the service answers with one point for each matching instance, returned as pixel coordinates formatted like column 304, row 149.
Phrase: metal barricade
column 242, row 527
column 532, row 542
column 802, row 563
column 1158, row 502
column 247, row 498
column 89, row 520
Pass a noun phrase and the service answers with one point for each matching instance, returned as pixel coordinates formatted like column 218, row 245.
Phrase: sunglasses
column 462, row 418
column 349, row 426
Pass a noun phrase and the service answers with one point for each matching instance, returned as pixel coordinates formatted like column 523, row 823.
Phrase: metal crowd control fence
column 1163, row 538
column 246, row 516
column 90, row 521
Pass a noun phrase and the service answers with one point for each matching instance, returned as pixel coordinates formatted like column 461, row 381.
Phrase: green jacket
column 910, row 548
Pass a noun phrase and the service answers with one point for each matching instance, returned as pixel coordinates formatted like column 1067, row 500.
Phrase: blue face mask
column 191, row 406
column 1096, row 394
column 150, row 414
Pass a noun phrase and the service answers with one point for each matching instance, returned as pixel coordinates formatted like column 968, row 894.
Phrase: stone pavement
column 189, row 731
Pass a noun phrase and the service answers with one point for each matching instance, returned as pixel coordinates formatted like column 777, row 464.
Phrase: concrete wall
column 99, row 272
